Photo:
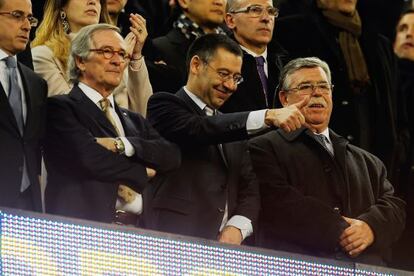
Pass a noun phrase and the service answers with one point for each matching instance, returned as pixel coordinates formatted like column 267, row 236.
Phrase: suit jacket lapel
column 29, row 102
column 92, row 110
column 127, row 124
column 190, row 103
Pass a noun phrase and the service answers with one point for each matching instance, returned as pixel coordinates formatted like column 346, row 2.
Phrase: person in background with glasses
column 365, row 74
column 214, row 194
column 62, row 20
column 99, row 156
column 252, row 23
column 22, row 111
column 321, row 195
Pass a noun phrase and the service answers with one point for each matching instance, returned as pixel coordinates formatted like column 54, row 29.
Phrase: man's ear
column 80, row 63
column 229, row 19
column 283, row 98
column 183, row 4
column 195, row 65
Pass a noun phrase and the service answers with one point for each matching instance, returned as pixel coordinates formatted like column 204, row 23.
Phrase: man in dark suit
column 320, row 194
column 252, row 23
column 100, row 157
column 22, row 111
column 198, row 17
column 214, row 194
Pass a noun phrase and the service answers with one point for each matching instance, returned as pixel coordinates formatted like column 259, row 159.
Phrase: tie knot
column 104, row 103
column 209, row 111
column 260, row 60
column 10, row 62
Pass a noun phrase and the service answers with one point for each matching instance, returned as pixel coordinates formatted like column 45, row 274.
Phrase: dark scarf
column 350, row 26
column 190, row 29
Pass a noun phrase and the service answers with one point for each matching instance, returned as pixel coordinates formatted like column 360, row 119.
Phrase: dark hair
column 206, row 46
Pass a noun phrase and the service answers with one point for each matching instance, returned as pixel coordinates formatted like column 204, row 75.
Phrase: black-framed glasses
column 257, row 11
column 308, row 88
column 20, row 16
column 225, row 75
column 108, row 53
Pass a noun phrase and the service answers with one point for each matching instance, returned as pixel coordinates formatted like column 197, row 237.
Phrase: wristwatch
column 119, row 145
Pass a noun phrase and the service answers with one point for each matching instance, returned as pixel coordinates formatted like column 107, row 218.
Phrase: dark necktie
column 260, row 61
column 323, row 140
column 105, row 106
column 15, row 93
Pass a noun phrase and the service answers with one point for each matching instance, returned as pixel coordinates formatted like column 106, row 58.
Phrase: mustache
column 317, row 101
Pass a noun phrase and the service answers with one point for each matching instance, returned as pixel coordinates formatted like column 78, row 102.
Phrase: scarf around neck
column 350, row 31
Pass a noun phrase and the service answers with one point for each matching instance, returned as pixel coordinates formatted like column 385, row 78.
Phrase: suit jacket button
column 221, row 210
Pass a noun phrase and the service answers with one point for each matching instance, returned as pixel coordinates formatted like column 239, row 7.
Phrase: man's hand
column 231, row 235
column 126, row 193
column 357, row 237
column 139, row 29
column 288, row 118
column 151, row 172
column 107, row 142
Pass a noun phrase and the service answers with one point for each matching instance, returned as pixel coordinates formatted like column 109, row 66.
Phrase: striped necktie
column 105, row 106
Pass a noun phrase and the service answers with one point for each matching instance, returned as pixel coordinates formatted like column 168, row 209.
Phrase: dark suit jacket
column 14, row 147
column 249, row 95
column 301, row 184
column 83, row 177
column 191, row 200
column 172, row 49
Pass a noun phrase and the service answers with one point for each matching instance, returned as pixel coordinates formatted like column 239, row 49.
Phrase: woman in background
column 50, row 49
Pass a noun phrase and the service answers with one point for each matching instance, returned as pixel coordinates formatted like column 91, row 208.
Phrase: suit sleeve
column 292, row 216
column 178, row 123
column 67, row 138
column 152, row 150
column 387, row 216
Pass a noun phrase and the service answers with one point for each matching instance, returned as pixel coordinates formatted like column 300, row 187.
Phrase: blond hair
column 50, row 32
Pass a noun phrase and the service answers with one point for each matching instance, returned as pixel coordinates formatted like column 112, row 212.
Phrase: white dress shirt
column 135, row 206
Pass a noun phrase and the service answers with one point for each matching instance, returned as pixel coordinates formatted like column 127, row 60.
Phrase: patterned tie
column 260, row 61
column 105, row 106
column 15, row 93
column 323, row 140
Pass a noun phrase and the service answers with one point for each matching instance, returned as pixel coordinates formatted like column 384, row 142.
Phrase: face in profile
column 14, row 32
column 81, row 13
column 404, row 38
column 318, row 111
column 217, row 78
column 103, row 71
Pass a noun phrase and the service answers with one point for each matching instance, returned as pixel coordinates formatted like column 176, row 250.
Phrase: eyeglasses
column 226, row 76
column 20, row 16
column 257, row 11
column 108, row 53
column 309, row 88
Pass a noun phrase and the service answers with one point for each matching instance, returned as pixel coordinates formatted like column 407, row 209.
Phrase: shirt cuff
column 129, row 149
column 135, row 207
column 136, row 65
column 256, row 121
column 243, row 224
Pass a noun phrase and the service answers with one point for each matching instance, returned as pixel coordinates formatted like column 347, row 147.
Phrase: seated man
column 100, row 156
column 321, row 195
column 214, row 194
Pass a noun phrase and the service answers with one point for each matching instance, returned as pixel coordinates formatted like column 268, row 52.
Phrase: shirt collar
column 195, row 98
column 3, row 54
column 326, row 134
column 264, row 54
column 94, row 95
